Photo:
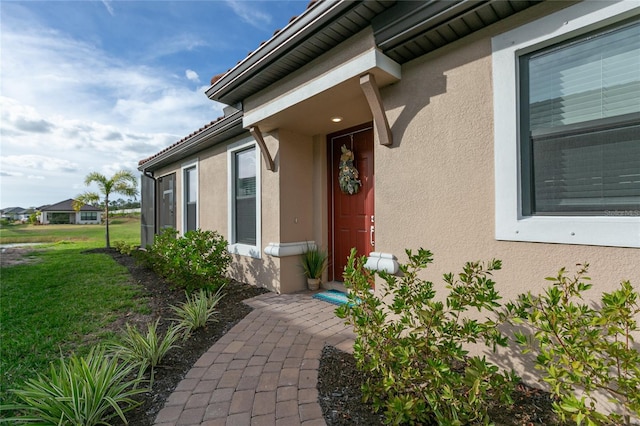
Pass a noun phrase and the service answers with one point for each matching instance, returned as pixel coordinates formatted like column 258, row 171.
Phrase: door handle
column 371, row 231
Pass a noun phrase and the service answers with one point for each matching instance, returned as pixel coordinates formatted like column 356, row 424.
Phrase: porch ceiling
column 308, row 109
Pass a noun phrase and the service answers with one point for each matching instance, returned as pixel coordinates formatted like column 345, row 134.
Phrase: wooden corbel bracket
column 257, row 135
column 371, row 92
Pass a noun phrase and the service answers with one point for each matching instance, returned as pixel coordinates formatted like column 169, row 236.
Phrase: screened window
column 580, row 125
column 244, row 196
column 88, row 215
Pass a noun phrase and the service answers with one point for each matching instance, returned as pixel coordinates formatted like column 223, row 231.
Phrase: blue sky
column 99, row 85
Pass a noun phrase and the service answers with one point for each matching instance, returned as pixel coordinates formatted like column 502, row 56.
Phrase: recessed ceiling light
column 336, row 119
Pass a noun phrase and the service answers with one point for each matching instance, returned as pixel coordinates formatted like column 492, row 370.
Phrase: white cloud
column 38, row 162
column 248, row 12
column 107, row 4
column 192, row 75
column 68, row 108
column 176, row 43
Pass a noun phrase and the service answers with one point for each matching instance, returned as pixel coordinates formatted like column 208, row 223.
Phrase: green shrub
column 199, row 259
column 581, row 349
column 123, row 247
column 83, row 391
column 410, row 346
column 198, row 310
column 145, row 351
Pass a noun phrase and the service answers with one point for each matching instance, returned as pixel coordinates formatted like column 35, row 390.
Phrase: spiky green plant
column 198, row 310
column 147, row 350
column 85, row 391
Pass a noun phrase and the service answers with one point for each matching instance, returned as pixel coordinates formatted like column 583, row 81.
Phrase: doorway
column 351, row 216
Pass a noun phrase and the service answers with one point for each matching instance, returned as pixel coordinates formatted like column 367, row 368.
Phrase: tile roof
column 181, row 141
column 67, row 206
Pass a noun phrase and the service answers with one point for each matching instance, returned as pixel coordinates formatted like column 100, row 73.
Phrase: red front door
column 351, row 215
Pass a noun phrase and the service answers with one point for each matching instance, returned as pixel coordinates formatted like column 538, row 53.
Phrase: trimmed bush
column 581, row 349
column 199, row 259
column 410, row 345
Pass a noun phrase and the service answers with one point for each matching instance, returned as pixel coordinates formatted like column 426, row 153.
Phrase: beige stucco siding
column 435, row 186
column 212, row 189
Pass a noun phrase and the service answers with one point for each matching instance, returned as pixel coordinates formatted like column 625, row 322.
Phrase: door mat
column 332, row 296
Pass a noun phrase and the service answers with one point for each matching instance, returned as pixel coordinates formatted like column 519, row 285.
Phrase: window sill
column 244, row 250
column 615, row 231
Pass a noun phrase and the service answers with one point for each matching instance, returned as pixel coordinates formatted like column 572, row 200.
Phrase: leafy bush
column 581, row 349
column 199, row 259
column 123, row 247
column 145, row 351
column 410, row 346
column 84, row 391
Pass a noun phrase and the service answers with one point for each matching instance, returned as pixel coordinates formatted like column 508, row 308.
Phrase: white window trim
column 619, row 229
column 188, row 165
column 237, row 248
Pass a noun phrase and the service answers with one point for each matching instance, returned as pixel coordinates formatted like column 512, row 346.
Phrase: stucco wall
column 212, row 185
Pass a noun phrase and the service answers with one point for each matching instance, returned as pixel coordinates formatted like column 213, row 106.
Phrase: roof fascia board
column 218, row 130
column 404, row 21
column 307, row 23
column 373, row 59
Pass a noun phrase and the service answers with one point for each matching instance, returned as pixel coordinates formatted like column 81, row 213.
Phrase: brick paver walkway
column 264, row 371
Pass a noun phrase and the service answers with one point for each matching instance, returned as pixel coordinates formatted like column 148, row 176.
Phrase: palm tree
column 123, row 182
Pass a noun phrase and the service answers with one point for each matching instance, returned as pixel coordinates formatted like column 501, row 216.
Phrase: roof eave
column 224, row 129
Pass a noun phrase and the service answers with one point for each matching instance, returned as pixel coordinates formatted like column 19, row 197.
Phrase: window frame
column 93, row 214
column 615, row 228
column 235, row 247
column 185, row 168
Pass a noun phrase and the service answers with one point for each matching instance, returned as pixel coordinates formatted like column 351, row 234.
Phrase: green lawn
column 120, row 228
column 63, row 302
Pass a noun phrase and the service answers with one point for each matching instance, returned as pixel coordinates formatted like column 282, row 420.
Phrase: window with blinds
column 191, row 198
column 580, row 125
column 245, row 196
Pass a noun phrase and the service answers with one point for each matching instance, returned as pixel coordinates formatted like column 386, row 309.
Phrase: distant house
column 16, row 213
column 63, row 213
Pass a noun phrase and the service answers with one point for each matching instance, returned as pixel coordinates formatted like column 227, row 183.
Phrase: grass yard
column 120, row 228
column 62, row 302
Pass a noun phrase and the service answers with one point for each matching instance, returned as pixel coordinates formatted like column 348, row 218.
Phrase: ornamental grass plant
column 198, row 310
column 85, row 391
column 145, row 351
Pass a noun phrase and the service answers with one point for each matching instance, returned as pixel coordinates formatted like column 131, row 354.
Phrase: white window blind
column 582, row 121
column 245, row 196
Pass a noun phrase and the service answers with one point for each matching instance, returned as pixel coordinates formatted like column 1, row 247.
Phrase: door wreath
column 348, row 175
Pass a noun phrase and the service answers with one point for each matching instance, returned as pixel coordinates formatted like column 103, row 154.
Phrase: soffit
column 413, row 28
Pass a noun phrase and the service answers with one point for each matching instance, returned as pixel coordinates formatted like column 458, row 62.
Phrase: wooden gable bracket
column 257, row 135
column 371, row 92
